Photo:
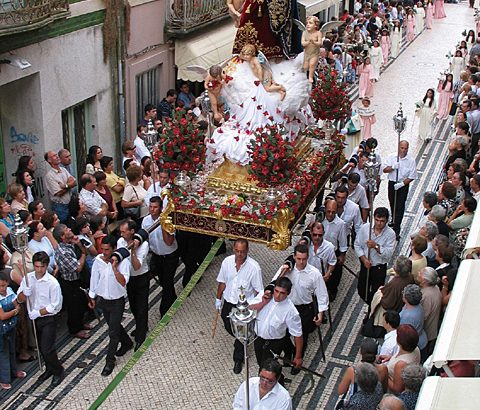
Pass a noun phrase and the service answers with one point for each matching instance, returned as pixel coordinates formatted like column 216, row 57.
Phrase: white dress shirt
column 155, row 190
column 304, row 284
column 141, row 149
column 351, row 216
column 103, row 282
column 323, row 257
column 390, row 346
column 249, row 277
column 407, row 168
column 46, row 246
column 386, row 241
column 92, row 201
column 155, row 238
column 359, row 196
column 46, row 293
column 141, row 253
column 276, row 399
column 276, row 317
column 335, row 233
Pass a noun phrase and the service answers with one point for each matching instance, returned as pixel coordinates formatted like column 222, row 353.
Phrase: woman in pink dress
column 445, row 96
column 385, row 45
column 429, row 15
column 365, row 82
column 410, row 22
column 439, row 10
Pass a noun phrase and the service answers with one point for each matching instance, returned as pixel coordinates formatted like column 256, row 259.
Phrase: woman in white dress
column 396, row 38
column 457, row 64
column 419, row 18
column 376, row 59
column 426, row 111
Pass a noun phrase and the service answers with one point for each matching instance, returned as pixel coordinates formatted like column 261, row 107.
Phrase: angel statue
column 312, row 42
column 261, row 69
column 235, row 10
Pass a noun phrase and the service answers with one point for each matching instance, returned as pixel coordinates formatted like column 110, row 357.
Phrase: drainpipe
column 121, row 81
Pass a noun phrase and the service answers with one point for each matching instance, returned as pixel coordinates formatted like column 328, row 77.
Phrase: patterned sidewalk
column 184, row 368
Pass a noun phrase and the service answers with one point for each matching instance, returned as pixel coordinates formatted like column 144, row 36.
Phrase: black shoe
column 237, row 368
column 108, row 369
column 294, row 371
column 124, row 348
column 137, row 346
column 57, row 380
column 132, row 333
column 44, row 376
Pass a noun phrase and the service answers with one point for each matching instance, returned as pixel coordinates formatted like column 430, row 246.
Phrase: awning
column 460, row 333
column 204, row 49
column 442, row 393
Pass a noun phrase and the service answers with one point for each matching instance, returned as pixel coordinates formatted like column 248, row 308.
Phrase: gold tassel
column 260, row 2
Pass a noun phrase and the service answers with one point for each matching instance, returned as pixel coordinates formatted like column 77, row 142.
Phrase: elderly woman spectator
column 368, row 353
column 438, row 215
column 458, row 181
column 412, row 314
column 390, row 401
column 419, row 261
column 456, row 149
column 17, row 194
column 413, row 376
column 431, row 303
column 429, row 231
column 389, row 296
column 369, row 391
column 446, row 197
column 408, row 352
column 462, row 217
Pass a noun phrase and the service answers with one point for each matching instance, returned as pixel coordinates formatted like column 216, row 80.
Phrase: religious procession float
column 264, row 143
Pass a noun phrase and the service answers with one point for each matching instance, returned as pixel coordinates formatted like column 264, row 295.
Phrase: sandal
column 20, row 374
column 5, row 386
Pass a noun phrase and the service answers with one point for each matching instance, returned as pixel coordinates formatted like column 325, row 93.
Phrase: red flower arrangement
column 181, row 145
column 273, row 156
column 329, row 99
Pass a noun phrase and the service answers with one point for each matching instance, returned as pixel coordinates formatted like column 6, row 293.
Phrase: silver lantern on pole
column 399, row 124
column 19, row 237
column 150, row 137
column 242, row 320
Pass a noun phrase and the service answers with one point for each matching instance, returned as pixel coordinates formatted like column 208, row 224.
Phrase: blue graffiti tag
column 28, row 138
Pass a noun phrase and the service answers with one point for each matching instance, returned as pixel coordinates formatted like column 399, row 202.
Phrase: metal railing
column 185, row 16
column 17, row 16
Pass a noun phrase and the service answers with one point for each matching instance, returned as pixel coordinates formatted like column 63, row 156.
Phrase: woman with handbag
column 9, row 310
column 134, row 194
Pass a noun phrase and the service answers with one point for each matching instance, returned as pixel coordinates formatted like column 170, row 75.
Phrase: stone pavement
column 184, row 368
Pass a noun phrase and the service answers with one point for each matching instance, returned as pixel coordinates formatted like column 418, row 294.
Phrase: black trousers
column 307, row 314
column 113, row 313
column 238, row 353
column 264, row 348
column 376, row 279
column 75, row 301
column 138, row 288
column 397, row 209
column 165, row 266
column 334, row 281
column 47, row 333
column 192, row 249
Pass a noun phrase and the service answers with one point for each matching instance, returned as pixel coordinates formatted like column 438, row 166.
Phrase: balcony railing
column 17, row 16
column 185, row 16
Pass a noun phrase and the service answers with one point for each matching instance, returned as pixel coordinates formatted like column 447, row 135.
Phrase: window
column 147, row 86
column 76, row 126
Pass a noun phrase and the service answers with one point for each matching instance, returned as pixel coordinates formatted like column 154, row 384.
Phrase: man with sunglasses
column 265, row 391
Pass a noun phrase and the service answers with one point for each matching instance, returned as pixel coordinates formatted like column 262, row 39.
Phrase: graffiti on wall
column 22, row 144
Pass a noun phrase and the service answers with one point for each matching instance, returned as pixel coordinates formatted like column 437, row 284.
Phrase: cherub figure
column 261, row 70
column 213, row 84
column 235, row 10
column 311, row 42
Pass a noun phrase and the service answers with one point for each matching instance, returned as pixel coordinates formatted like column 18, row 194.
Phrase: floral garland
column 273, row 156
column 181, row 145
column 329, row 99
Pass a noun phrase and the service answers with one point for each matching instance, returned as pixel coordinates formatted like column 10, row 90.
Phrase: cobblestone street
column 185, row 368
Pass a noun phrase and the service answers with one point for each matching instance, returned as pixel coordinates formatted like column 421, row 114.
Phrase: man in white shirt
column 45, row 301
column 401, row 173
column 391, row 320
column 39, row 242
column 265, row 392
column 347, row 211
column 94, row 203
column 238, row 270
column 164, row 260
column 276, row 314
column 374, row 253
column 307, row 281
column 357, row 194
column 138, row 286
column 141, row 149
column 108, row 283
column 156, row 188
